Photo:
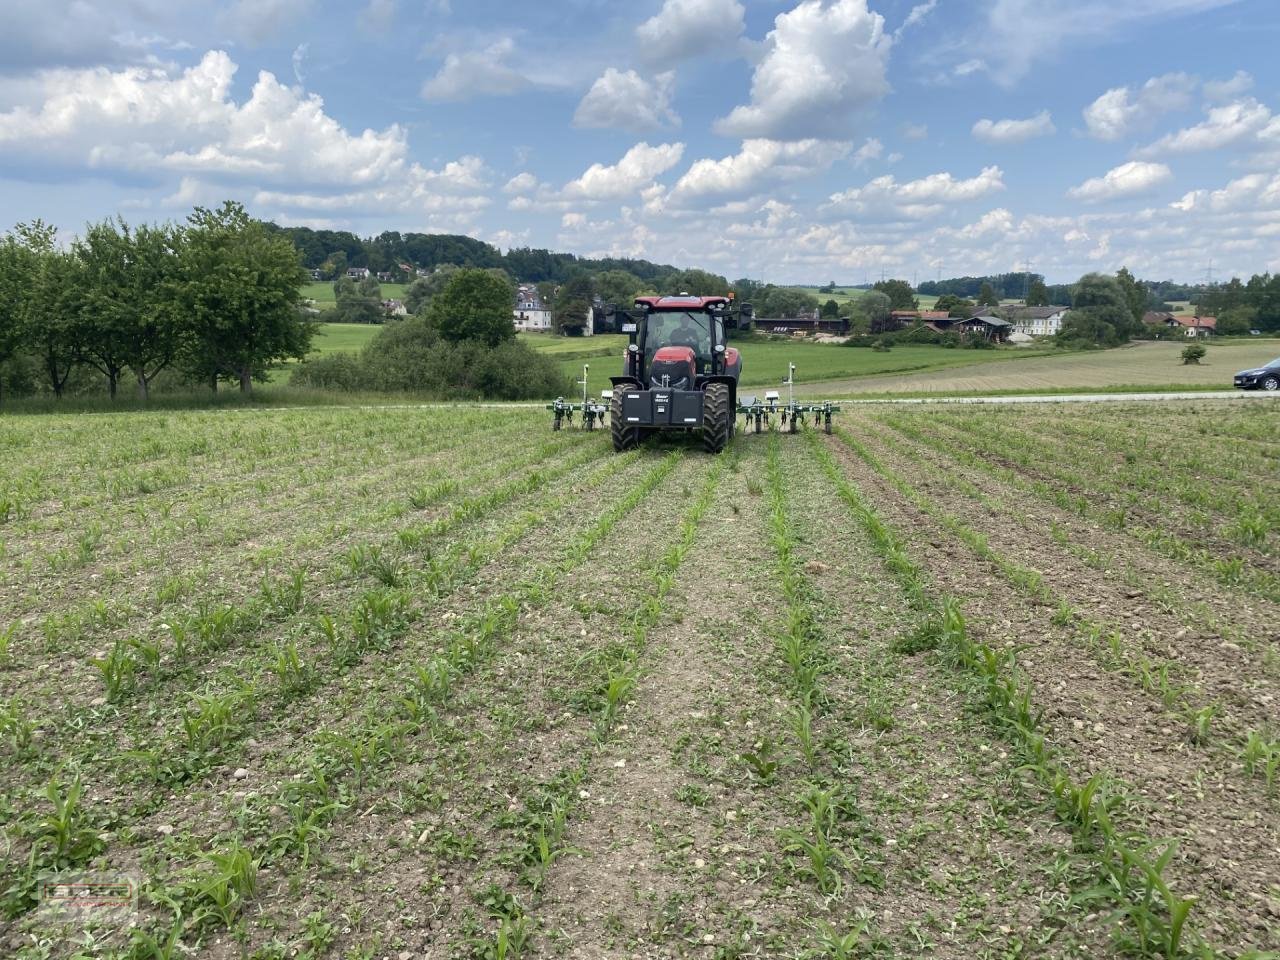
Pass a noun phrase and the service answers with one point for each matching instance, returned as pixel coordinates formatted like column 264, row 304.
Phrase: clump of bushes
column 412, row 356
column 462, row 347
column 1193, row 353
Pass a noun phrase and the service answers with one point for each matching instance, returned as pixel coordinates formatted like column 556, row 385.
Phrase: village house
column 1196, row 326
column 394, row 308
column 530, row 313
column 1036, row 321
column 357, row 273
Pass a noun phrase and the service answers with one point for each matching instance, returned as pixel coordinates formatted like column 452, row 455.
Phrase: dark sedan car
column 1260, row 378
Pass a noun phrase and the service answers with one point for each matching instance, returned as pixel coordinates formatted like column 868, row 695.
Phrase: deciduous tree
column 474, row 305
column 241, row 290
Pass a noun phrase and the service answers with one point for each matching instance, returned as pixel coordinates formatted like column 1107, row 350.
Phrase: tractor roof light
column 719, row 348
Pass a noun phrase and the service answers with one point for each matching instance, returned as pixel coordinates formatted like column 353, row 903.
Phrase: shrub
column 410, row 356
column 1193, row 353
column 336, row 371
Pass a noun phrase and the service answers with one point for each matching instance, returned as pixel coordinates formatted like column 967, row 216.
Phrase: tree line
column 332, row 252
column 215, row 299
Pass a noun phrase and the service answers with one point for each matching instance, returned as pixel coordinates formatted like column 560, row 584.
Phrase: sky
column 790, row 142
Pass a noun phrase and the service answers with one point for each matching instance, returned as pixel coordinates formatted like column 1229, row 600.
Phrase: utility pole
column 1026, row 282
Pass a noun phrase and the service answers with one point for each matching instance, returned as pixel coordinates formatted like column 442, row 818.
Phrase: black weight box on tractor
column 679, row 373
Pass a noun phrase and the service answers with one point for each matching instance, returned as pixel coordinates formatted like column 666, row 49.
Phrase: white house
column 1037, row 321
column 530, row 313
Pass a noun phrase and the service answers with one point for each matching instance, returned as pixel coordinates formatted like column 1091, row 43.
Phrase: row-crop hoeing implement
column 680, row 374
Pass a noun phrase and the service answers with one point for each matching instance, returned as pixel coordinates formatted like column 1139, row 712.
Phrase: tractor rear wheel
column 624, row 437
column 717, row 418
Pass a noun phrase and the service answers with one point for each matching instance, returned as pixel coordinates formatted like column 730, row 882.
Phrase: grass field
column 361, row 683
column 322, row 293
column 343, row 337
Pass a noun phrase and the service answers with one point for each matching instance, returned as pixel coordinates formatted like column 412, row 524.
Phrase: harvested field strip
column 1129, row 865
column 1092, row 728
column 273, row 677
column 1076, row 490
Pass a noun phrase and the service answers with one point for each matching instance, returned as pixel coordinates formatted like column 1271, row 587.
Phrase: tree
column 784, row 302
column 572, row 310
column 987, row 296
column 900, row 294
column 358, row 302
column 11, row 285
column 1037, row 294
column 1135, row 294
column 241, row 289
column 1237, row 321
column 954, row 305
column 831, row 309
column 618, row 287
column 874, row 307
column 1100, row 314
column 1193, row 353
column 418, row 297
column 474, row 305
column 46, row 308
column 698, row 283
column 130, row 310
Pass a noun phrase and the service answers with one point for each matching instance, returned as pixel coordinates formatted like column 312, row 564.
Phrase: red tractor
column 679, row 373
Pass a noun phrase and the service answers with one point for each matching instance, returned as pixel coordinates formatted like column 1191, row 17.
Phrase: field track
column 955, row 681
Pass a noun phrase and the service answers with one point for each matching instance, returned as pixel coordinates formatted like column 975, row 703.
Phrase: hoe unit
column 679, row 373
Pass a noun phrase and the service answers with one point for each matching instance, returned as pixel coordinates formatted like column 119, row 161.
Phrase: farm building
column 1036, row 321
column 1196, row 326
column 991, row 327
column 803, row 325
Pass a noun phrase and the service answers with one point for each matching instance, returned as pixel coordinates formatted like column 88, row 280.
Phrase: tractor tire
column 717, row 418
column 624, row 437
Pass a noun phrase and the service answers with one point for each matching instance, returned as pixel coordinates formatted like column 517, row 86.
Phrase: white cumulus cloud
column 161, row 123
column 1120, row 111
column 1014, row 131
column 1226, row 125
column 1126, row 180
column 627, row 101
column 637, row 169
column 915, row 199
column 757, row 164
column 690, row 28
column 477, row 73
column 824, row 61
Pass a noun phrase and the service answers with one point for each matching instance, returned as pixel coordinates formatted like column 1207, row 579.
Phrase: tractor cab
column 679, row 373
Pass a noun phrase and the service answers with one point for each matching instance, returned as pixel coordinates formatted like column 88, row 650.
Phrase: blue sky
column 793, row 142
